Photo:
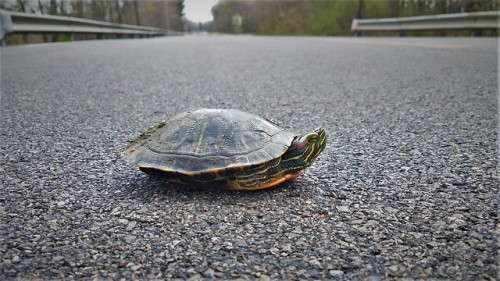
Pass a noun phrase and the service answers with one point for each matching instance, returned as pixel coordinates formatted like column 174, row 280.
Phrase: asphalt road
column 407, row 186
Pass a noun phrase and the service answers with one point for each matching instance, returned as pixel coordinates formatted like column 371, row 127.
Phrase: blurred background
column 331, row 18
column 279, row 17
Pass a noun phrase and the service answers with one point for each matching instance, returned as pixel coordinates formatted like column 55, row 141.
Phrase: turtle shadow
column 148, row 189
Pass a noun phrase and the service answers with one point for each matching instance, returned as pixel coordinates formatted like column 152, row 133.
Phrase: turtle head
column 304, row 150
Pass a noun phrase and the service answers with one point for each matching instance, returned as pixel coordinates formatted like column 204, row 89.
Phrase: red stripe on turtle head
column 302, row 143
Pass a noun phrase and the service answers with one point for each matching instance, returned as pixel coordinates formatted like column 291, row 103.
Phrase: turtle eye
column 313, row 137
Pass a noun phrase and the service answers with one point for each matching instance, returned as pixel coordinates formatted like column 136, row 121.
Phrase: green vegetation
column 329, row 17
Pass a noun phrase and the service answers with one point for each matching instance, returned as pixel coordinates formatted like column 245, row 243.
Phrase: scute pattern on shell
column 209, row 140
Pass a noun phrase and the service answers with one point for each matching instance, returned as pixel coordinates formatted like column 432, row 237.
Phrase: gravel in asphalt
column 407, row 186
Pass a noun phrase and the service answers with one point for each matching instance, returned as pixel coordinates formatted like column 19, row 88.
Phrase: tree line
column 327, row 17
column 166, row 14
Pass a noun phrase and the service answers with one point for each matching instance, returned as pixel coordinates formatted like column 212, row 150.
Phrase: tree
column 180, row 8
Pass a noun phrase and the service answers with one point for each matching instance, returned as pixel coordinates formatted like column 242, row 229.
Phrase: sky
column 199, row 10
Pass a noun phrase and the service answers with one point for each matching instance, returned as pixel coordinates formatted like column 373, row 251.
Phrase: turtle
column 225, row 148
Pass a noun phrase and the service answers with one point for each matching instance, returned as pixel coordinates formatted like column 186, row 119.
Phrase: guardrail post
column 354, row 26
column 5, row 26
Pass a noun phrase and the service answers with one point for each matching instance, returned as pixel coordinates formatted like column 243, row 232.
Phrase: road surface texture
column 407, row 186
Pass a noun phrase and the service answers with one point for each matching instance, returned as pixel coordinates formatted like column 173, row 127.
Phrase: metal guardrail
column 14, row 22
column 476, row 20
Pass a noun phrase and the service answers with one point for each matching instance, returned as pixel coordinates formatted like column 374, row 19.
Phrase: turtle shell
column 208, row 140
